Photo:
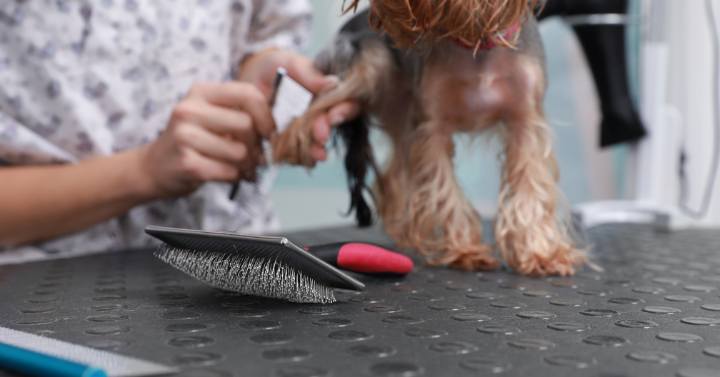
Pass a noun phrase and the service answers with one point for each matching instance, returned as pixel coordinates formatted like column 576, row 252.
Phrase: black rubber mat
column 655, row 311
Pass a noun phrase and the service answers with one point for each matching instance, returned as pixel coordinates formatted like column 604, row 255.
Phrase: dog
column 422, row 71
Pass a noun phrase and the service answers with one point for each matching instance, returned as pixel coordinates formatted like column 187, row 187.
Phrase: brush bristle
column 251, row 276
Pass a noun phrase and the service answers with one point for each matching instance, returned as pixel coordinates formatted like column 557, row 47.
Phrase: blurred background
column 306, row 199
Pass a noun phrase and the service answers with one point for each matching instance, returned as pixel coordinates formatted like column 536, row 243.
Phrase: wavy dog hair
column 470, row 22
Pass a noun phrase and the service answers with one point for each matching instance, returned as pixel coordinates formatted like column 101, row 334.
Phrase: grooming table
column 655, row 311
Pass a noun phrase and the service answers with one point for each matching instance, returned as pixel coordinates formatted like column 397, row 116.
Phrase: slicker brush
column 264, row 266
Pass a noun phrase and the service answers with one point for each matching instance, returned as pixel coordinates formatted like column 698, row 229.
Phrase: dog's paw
column 470, row 258
column 293, row 146
column 562, row 262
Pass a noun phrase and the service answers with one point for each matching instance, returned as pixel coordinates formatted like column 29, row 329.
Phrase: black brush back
column 261, row 247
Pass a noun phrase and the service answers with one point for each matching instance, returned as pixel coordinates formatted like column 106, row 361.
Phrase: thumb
column 304, row 72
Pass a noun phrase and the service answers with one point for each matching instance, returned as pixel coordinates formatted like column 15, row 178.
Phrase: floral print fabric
column 87, row 78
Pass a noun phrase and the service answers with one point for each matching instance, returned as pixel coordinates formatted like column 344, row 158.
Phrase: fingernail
column 332, row 79
column 331, row 82
column 337, row 119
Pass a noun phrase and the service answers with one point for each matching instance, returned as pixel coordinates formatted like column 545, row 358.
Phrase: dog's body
column 420, row 97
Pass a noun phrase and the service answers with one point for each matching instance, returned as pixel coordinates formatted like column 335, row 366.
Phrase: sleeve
column 278, row 23
column 20, row 145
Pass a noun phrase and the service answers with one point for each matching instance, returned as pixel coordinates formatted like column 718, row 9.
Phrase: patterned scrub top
column 85, row 78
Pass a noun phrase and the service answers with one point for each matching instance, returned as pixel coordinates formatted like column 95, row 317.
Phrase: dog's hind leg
column 369, row 73
column 442, row 223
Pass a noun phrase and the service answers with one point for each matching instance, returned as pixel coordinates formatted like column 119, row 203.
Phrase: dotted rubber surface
column 654, row 311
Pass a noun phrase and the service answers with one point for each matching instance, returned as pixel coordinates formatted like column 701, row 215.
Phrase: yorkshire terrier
column 422, row 71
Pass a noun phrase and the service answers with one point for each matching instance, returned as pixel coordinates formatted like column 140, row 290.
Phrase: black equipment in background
column 600, row 27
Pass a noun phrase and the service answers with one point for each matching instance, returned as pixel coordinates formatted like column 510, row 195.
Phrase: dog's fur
column 422, row 80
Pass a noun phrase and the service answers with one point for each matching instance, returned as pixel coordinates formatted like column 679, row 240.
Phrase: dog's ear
column 472, row 22
column 359, row 159
column 406, row 22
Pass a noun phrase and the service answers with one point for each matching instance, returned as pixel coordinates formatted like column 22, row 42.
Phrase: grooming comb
column 33, row 355
column 264, row 266
column 289, row 100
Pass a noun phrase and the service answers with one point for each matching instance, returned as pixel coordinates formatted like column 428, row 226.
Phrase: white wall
column 685, row 27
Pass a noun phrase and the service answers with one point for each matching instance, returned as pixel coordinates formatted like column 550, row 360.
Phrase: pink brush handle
column 363, row 257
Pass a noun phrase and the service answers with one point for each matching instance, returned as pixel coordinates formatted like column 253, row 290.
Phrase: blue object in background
column 31, row 363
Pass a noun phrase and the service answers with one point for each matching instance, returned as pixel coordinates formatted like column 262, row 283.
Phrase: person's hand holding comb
column 260, row 70
column 213, row 134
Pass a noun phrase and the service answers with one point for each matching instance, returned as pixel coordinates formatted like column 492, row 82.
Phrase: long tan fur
column 422, row 99
column 442, row 225
column 531, row 229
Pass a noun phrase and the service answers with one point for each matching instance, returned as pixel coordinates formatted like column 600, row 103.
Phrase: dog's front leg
column 442, row 224
column 531, row 230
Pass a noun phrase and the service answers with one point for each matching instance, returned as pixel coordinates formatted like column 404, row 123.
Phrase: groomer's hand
column 260, row 68
column 214, row 134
